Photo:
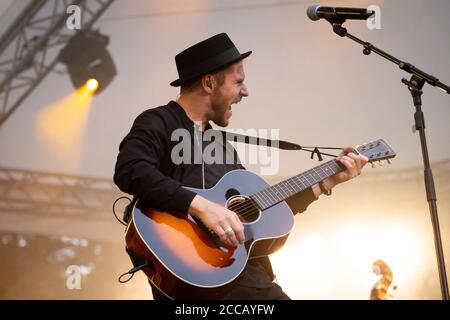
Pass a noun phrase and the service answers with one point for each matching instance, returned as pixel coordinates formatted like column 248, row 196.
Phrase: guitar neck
column 279, row 192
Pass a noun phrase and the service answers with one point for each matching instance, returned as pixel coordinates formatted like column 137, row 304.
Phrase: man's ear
column 209, row 82
column 212, row 82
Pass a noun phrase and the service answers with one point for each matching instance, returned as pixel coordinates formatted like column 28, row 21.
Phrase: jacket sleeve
column 137, row 171
column 300, row 201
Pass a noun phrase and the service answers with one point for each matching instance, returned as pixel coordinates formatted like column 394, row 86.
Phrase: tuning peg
column 373, row 164
column 389, row 161
column 381, row 163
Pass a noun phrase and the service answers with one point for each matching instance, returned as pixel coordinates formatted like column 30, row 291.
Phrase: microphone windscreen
column 312, row 12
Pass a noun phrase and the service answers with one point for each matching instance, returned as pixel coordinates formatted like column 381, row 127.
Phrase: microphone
column 316, row 12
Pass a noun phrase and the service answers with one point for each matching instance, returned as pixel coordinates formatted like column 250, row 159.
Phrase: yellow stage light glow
column 61, row 126
column 92, row 84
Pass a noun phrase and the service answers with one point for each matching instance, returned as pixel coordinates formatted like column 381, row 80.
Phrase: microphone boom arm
column 369, row 48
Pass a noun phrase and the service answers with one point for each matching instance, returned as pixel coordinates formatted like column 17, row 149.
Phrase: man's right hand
column 223, row 222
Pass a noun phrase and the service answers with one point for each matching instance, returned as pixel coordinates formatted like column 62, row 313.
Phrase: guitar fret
column 324, row 170
column 279, row 189
column 318, row 174
column 283, row 191
column 313, row 176
column 331, row 167
column 307, row 178
column 296, row 184
column 327, row 170
column 337, row 167
column 291, row 189
column 258, row 199
column 299, row 178
column 269, row 196
column 305, row 181
column 263, row 199
column 275, row 193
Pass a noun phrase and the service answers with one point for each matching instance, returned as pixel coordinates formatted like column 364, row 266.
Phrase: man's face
column 231, row 91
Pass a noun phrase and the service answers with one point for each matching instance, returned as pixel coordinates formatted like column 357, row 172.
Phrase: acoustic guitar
column 187, row 261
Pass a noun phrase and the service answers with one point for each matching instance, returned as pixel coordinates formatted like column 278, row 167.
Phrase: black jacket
column 145, row 170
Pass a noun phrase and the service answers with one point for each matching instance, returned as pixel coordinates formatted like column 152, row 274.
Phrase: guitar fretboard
column 270, row 196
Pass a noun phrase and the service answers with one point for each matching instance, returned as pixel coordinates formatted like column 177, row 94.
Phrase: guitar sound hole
column 244, row 207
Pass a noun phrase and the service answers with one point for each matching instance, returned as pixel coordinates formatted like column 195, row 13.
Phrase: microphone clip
column 337, row 22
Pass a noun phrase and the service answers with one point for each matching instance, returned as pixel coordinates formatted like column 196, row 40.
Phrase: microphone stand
column 414, row 85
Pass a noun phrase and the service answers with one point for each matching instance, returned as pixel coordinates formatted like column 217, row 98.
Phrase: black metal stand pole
column 415, row 85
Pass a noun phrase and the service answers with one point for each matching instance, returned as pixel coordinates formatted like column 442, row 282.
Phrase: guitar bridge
column 214, row 237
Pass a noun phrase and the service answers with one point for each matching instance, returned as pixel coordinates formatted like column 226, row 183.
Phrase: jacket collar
column 183, row 115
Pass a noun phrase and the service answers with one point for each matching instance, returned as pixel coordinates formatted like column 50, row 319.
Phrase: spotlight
column 86, row 58
column 92, row 84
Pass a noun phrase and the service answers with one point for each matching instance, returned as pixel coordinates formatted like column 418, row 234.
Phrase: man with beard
column 211, row 77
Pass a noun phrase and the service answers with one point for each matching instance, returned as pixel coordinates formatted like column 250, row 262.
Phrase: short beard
column 219, row 115
column 222, row 123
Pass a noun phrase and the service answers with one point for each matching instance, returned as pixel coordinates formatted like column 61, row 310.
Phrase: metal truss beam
column 30, row 47
column 53, row 194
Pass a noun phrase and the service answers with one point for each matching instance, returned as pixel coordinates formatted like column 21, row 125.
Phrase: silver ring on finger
column 229, row 230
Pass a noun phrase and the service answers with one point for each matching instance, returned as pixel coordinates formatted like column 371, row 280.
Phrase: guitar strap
column 280, row 144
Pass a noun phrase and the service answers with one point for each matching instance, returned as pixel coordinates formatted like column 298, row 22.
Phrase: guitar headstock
column 377, row 150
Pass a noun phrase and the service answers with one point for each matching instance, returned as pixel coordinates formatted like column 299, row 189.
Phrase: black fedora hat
column 205, row 57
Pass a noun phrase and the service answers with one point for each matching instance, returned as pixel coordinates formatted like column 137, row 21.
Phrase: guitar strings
column 287, row 191
column 247, row 210
column 239, row 205
column 244, row 205
column 250, row 203
column 248, row 206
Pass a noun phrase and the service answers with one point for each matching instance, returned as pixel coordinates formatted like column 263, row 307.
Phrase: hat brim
column 179, row 82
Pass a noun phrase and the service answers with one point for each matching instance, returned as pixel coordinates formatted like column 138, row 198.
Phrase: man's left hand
column 353, row 164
